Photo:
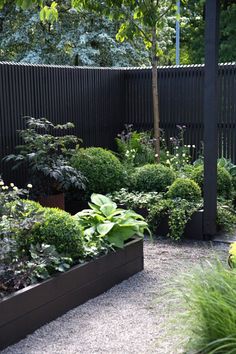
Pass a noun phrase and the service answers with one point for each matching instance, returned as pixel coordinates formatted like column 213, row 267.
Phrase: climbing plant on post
column 145, row 19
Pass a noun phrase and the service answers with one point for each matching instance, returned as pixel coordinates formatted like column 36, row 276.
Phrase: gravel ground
column 128, row 318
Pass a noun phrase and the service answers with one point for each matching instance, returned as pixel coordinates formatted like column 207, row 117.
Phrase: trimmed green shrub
column 60, row 229
column 102, row 169
column 152, row 177
column 184, row 188
column 224, row 180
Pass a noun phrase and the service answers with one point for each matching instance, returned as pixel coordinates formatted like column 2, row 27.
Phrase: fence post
column 210, row 113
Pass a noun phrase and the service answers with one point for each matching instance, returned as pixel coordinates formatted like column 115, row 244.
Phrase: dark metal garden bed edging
column 28, row 309
column 193, row 229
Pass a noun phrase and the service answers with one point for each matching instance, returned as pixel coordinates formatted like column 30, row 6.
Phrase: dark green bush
column 60, row 229
column 224, row 180
column 152, row 177
column 102, row 169
column 184, row 188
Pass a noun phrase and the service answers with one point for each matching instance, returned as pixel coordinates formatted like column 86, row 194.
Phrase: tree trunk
column 155, row 99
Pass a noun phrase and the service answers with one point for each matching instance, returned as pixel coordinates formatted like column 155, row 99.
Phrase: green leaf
column 99, row 199
column 104, row 229
column 119, row 234
column 108, row 209
column 233, row 171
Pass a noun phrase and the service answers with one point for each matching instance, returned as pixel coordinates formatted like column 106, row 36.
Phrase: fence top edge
column 128, row 68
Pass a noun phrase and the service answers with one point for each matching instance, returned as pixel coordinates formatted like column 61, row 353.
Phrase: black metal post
column 210, row 115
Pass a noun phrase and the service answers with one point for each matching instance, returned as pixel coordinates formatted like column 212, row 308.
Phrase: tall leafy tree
column 74, row 39
column 192, row 31
column 143, row 19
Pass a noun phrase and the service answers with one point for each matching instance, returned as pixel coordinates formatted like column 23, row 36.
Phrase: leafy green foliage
column 137, row 18
column 135, row 200
column 135, row 148
column 9, row 194
column 207, row 297
column 224, row 180
column 178, row 212
column 47, row 157
column 20, row 270
column 102, row 169
column 77, row 38
column 152, row 177
column 175, row 153
column 105, row 221
column 184, row 188
column 192, row 32
column 60, row 229
column 226, row 217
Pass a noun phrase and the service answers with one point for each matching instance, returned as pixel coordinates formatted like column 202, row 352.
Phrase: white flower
column 177, row 155
column 1, row 183
column 29, row 185
column 177, row 147
column 193, row 146
column 5, row 187
column 167, row 152
column 12, row 184
column 183, row 155
column 168, row 161
column 156, row 155
column 15, row 188
column 189, row 146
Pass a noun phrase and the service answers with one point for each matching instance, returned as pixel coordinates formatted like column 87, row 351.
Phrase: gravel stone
column 132, row 317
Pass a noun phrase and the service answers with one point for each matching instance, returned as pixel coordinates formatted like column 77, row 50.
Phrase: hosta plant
column 106, row 221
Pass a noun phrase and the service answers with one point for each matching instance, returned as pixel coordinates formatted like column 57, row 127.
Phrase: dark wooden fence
column 101, row 101
column 181, row 102
column 90, row 98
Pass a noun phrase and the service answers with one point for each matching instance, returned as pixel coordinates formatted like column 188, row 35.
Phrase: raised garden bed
column 26, row 310
column 193, row 229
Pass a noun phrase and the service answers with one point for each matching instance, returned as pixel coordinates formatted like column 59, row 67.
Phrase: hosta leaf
column 119, row 234
column 99, row 199
column 108, row 209
column 104, row 229
column 94, row 207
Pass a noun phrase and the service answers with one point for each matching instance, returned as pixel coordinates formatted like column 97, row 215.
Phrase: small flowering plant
column 135, row 148
column 179, row 153
column 11, row 193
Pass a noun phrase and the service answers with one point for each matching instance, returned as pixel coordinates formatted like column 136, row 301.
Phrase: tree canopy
column 65, row 35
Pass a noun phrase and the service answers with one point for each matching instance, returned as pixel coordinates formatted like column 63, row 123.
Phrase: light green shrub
column 224, row 180
column 60, row 229
column 152, row 177
column 103, row 170
column 184, row 188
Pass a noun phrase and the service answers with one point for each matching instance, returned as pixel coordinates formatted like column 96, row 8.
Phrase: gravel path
column 128, row 318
